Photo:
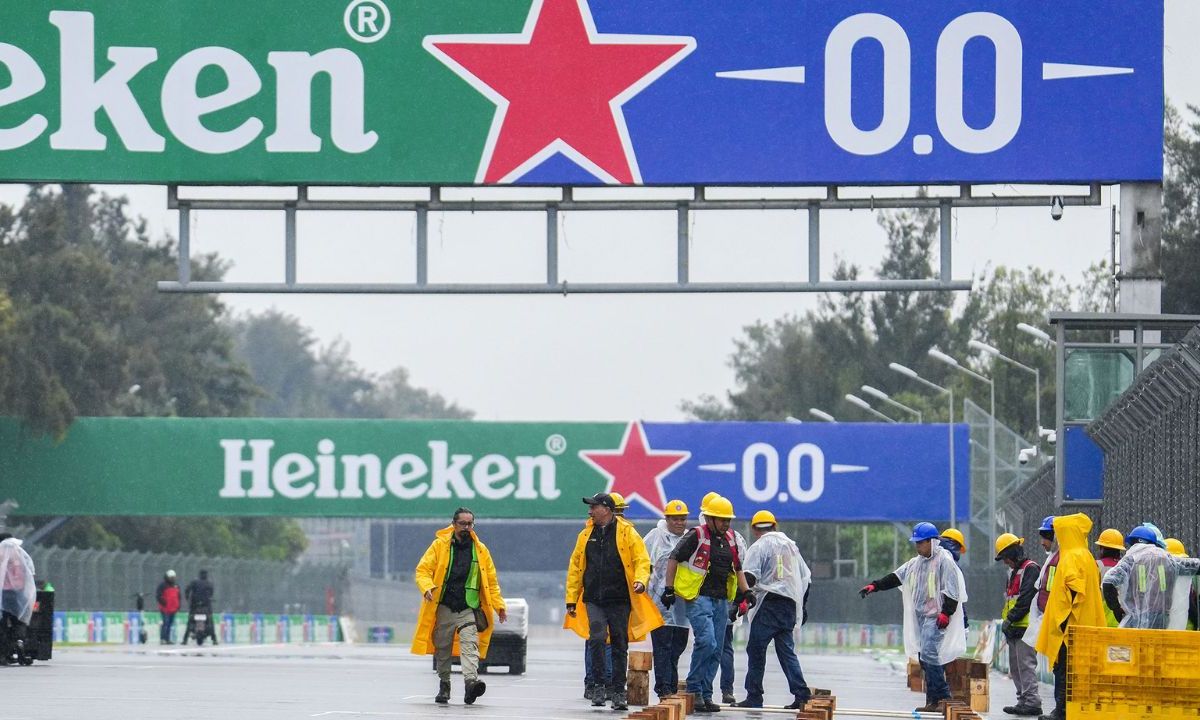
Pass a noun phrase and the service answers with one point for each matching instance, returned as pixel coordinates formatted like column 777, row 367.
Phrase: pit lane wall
column 124, row 628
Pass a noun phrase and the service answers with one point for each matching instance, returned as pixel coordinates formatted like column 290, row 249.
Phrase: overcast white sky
column 600, row 357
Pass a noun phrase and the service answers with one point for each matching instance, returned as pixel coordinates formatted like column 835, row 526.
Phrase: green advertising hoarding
column 218, row 91
column 353, row 468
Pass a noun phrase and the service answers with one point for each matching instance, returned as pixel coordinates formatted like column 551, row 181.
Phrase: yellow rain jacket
column 1075, row 595
column 431, row 573
column 643, row 615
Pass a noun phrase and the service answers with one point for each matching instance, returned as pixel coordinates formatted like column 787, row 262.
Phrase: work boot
column 707, row 706
column 748, row 703
column 933, row 707
column 619, row 702
column 599, row 695
column 727, row 698
column 1028, row 711
column 443, row 695
column 798, row 703
column 474, row 689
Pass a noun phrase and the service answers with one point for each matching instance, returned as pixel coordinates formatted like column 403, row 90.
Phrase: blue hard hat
column 1143, row 533
column 1047, row 524
column 1159, row 539
column 924, row 531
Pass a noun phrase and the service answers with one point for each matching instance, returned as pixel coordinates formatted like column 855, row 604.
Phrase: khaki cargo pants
column 463, row 623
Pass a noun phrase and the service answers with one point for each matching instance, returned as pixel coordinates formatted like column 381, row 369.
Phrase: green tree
column 1181, row 214
column 88, row 333
column 302, row 379
column 84, row 332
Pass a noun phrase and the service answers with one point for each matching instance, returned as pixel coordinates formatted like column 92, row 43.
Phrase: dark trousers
column 604, row 679
column 1060, row 683
column 727, row 661
column 669, row 642
column 164, row 632
column 774, row 622
column 611, row 621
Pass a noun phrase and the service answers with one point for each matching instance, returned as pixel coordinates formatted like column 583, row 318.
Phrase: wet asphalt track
column 373, row 681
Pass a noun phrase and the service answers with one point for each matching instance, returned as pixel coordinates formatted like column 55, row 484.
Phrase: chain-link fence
column 1151, row 439
column 111, row 580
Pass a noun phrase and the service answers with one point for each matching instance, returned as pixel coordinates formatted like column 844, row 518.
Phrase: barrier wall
column 124, row 628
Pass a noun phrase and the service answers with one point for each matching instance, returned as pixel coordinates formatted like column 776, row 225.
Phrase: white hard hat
column 170, row 573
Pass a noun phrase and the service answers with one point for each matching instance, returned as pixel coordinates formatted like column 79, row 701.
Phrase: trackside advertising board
column 576, row 92
column 386, row 468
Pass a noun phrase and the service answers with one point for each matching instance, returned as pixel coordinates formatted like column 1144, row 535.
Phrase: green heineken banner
column 425, row 469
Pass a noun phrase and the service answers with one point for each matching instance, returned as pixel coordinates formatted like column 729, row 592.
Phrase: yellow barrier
column 1121, row 674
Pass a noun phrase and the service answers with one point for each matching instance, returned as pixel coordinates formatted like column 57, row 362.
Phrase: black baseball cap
column 601, row 499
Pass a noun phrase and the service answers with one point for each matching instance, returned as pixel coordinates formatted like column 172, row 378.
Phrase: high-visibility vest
column 1013, row 593
column 1107, row 564
column 690, row 575
column 1044, row 593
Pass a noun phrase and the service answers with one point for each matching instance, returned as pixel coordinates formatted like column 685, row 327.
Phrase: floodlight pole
column 875, row 392
column 912, row 375
column 942, row 357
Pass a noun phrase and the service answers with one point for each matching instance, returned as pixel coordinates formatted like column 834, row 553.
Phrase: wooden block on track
column 637, row 688
column 641, row 660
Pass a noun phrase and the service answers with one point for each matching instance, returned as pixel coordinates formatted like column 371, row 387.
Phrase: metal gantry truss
column 695, row 199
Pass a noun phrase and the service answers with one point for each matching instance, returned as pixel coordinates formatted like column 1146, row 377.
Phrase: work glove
column 668, row 597
column 748, row 601
column 1006, row 628
column 571, row 609
column 867, row 590
column 943, row 621
column 733, row 614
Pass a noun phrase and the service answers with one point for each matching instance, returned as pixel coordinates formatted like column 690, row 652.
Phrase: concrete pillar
column 1140, row 279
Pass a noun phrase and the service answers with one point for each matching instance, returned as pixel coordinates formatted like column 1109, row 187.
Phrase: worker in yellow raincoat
column 606, row 593
column 459, row 592
column 1074, row 600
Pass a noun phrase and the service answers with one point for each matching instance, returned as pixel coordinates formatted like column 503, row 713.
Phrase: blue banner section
column 894, row 92
column 1083, row 465
column 840, row 472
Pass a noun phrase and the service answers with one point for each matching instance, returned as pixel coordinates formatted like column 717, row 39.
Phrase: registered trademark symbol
column 367, row 21
column 556, row 444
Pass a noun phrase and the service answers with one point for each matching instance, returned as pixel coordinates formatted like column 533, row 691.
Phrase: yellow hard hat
column 763, row 517
column 675, row 507
column 720, row 507
column 956, row 536
column 1111, row 539
column 707, row 499
column 1176, row 548
column 618, row 500
column 1006, row 541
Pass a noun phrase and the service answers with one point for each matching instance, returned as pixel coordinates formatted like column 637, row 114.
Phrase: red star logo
column 635, row 470
column 559, row 87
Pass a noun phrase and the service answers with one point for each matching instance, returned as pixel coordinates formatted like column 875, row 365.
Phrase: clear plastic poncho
column 659, row 545
column 1035, row 613
column 924, row 582
column 778, row 567
column 16, row 580
column 1145, row 582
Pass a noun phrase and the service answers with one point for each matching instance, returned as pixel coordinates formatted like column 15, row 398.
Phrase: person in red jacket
column 168, row 605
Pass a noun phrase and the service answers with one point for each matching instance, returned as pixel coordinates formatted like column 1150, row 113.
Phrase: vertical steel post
column 682, row 244
column 814, row 242
column 289, row 239
column 947, row 236
column 422, row 245
column 953, row 508
column 551, row 245
column 185, row 243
